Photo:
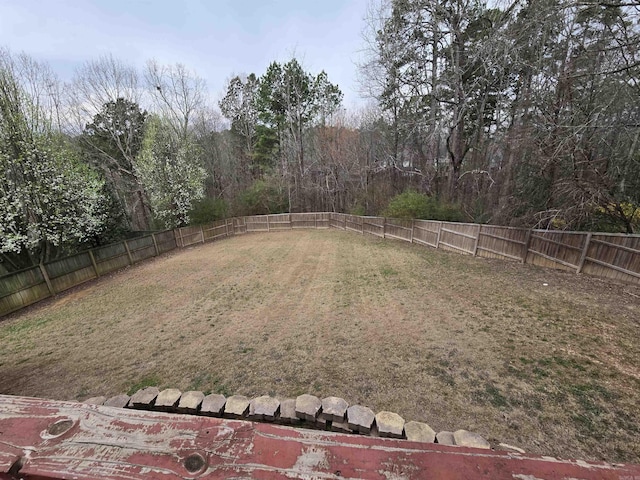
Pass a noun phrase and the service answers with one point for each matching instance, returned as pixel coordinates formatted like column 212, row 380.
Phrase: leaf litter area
column 541, row 359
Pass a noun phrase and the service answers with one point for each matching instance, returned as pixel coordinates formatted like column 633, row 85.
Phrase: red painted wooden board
column 43, row 439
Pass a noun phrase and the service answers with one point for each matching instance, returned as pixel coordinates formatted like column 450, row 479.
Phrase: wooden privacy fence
column 187, row 236
column 609, row 255
column 23, row 288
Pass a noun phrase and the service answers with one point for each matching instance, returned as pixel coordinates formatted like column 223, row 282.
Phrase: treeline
column 522, row 114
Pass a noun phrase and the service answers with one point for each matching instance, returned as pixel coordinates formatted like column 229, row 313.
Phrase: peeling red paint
column 113, row 443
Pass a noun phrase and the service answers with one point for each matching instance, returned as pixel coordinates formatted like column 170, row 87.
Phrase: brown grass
column 458, row 342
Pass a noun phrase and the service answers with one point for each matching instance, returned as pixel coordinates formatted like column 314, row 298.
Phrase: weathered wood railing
column 47, row 439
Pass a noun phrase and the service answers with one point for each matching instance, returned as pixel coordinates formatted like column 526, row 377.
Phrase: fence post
column 155, row 244
column 384, row 227
column 315, row 221
column 202, row 233
column 43, row 270
column 181, row 239
column 268, row 224
column 527, row 241
column 413, row 222
column 438, row 237
column 93, row 262
column 584, row 252
column 126, row 245
column 475, row 247
column 362, row 225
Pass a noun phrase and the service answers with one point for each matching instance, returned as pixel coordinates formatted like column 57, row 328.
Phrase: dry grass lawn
column 456, row 341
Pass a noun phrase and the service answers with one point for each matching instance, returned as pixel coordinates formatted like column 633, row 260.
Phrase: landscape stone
column 213, row 405
column 445, row 438
column 465, row 438
column 334, row 409
column 308, row 407
column 190, row 401
column 144, row 398
column 168, row 399
column 419, row 432
column 95, row 400
column 264, row 408
column 237, row 406
column 119, row 401
column 390, row 424
column 360, row 419
column 288, row 412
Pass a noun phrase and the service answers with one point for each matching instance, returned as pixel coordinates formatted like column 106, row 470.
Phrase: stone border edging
column 307, row 411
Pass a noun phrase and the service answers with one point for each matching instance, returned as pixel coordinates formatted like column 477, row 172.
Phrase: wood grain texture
column 46, row 439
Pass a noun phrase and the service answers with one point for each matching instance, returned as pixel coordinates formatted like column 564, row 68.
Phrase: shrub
column 207, row 210
column 623, row 217
column 262, row 197
column 411, row 204
column 357, row 209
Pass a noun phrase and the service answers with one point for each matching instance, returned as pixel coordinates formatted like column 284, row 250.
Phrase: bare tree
column 177, row 94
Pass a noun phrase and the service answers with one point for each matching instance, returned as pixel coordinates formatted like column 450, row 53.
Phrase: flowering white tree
column 170, row 170
column 170, row 160
column 49, row 201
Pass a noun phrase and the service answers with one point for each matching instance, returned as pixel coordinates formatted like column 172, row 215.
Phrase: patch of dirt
column 456, row 341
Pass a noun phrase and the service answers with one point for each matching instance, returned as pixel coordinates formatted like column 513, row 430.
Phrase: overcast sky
column 215, row 38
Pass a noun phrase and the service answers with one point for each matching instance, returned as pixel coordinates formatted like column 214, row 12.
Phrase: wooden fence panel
column 400, row 229
column 614, row 256
column 63, row 266
column 20, row 289
column 505, row 243
column 459, row 237
column 23, row 298
column 373, row 226
column 553, row 249
column 323, row 220
column 239, row 225
column 166, row 241
column 111, row 257
column 303, row 220
column 353, row 223
column 338, row 220
column 71, row 271
column 191, row 236
column 141, row 248
column 258, row 223
column 280, row 221
column 21, row 280
column 216, row 230
column 426, row 232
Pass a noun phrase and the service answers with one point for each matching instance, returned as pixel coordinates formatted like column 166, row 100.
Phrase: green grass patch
column 388, row 271
column 26, row 325
column 150, row 381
